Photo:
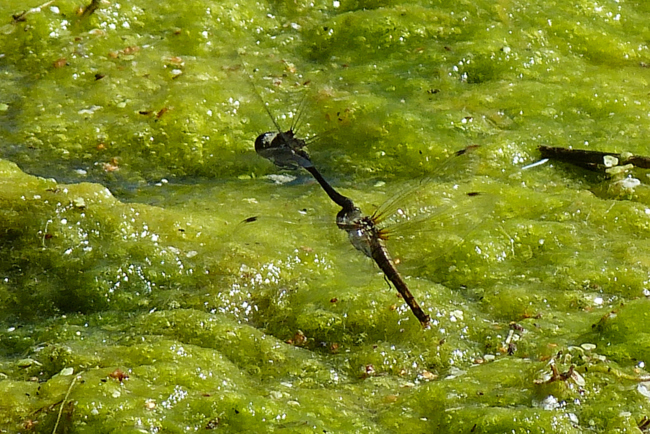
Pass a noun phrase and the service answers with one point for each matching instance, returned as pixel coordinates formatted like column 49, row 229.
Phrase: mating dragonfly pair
column 365, row 232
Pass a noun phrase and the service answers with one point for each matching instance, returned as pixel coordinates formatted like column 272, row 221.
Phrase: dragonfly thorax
column 360, row 228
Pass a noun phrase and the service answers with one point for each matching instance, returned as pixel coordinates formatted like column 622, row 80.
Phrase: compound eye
column 264, row 140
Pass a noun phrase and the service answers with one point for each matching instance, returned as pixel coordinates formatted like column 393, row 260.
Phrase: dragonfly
column 367, row 237
column 287, row 151
column 368, row 234
column 365, row 232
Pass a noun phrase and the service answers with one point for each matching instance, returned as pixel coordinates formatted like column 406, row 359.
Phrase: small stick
column 592, row 160
column 58, row 419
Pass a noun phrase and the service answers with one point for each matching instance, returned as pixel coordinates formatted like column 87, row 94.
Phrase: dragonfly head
column 349, row 218
column 265, row 141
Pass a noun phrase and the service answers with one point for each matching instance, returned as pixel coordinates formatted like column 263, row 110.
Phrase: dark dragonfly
column 283, row 148
column 366, row 236
column 366, row 233
column 287, row 151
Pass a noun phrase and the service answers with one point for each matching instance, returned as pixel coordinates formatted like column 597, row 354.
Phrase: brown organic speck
column 119, row 375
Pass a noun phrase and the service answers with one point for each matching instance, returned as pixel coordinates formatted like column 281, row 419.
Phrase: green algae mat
column 157, row 276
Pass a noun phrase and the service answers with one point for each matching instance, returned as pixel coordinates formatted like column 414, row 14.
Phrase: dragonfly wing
column 458, row 166
column 467, row 209
column 429, row 236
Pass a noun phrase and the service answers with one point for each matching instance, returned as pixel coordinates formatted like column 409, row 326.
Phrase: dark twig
column 596, row 161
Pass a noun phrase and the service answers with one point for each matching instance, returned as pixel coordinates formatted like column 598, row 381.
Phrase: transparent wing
column 431, row 244
column 288, row 103
column 468, row 210
column 299, row 114
column 415, row 199
column 295, row 113
column 257, row 93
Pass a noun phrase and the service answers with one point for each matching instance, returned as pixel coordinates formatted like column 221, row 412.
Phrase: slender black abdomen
column 384, row 261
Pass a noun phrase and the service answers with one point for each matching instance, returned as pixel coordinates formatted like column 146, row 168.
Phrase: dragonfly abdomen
column 381, row 256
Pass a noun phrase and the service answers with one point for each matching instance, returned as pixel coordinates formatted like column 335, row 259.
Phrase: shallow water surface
column 134, row 297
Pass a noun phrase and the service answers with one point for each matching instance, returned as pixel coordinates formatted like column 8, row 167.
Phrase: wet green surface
column 128, row 167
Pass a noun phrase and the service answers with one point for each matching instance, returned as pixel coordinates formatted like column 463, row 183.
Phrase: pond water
column 134, row 297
